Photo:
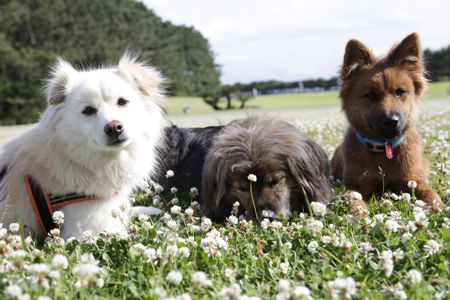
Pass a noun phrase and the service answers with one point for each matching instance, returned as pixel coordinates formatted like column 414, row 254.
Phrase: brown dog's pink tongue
column 388, row 148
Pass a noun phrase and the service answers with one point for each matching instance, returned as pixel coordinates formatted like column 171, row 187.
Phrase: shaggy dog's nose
column 113, row 128
column 391, row 121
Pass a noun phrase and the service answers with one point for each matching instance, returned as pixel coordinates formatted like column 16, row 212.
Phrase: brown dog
column 382, row 148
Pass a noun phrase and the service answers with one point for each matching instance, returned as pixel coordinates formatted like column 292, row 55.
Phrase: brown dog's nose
column 391, row 120
column 113, row 128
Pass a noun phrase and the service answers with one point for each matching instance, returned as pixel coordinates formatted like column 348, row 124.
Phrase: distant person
column 186, row 108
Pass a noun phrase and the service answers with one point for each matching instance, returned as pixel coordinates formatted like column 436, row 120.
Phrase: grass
column 401, row 251
column 174, row 105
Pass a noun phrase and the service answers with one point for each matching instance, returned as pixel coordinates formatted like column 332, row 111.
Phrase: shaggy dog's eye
column 372, row 96
column 89, row 110
column 122, row 102
column 243, row 188
column 274, row 181
column 399, row 92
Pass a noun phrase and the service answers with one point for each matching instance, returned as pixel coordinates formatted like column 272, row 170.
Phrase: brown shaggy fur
column 370, row 91
column 289, row 168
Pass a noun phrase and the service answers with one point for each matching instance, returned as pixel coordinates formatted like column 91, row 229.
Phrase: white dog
column 93, row 144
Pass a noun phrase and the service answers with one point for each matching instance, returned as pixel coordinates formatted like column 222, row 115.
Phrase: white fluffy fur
column 67, row 151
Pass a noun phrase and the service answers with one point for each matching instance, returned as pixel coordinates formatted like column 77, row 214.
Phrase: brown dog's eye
column 399, row 92
column 89, row 110
column 122, row 102
column 372, row 96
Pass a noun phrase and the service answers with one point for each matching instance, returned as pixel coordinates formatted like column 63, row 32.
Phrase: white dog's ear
column 58, row 85
column 146, row 78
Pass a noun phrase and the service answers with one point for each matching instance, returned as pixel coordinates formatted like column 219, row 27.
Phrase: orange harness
column 44, row 204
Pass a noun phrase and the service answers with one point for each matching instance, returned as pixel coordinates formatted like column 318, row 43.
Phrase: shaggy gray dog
column 290, row 168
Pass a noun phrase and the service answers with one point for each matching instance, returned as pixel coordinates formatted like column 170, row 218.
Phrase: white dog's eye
column 89, row 110
column 122, row 101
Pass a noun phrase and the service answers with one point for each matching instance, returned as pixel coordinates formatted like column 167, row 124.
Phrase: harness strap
column 44, row 204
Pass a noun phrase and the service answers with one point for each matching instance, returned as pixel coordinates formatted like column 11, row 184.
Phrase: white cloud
column 293, row 40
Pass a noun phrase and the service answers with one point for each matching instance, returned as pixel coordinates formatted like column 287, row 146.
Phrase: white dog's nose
column 114, row 128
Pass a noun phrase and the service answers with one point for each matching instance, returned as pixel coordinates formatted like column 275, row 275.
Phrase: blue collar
column 379, row 145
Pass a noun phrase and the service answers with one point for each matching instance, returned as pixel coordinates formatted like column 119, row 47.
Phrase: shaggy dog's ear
column 356, row 56
column 146, row 78
column 213, row 186
column 309, row 166
column 408, row 55
column 59, row 84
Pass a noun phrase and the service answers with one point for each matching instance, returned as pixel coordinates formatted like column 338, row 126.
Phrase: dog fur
column 70, row 149
column 290, row 169
column 183, row 151
column 373, row 91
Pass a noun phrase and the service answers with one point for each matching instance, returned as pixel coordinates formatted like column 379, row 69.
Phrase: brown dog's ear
column 146, row 78
column 356, row 56
column 407, row 53
column 59, row 84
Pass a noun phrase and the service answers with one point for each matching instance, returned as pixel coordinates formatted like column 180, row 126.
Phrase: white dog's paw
column 146, row 210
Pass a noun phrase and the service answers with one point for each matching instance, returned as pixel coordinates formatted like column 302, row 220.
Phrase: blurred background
column 222, row 58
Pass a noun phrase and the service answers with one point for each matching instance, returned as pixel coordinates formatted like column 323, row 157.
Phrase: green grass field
column 173, row 105
column 401, row 251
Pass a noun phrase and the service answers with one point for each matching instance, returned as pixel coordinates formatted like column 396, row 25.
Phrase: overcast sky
column 298, row 39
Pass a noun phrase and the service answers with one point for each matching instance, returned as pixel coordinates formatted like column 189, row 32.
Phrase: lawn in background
column 174, row 105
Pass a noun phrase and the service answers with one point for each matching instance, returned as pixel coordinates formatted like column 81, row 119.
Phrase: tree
column 90, row 33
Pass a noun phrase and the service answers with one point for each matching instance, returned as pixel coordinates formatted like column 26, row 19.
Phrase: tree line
column 89, row 33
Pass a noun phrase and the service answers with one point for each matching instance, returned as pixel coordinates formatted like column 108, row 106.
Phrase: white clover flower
column 143, row 217
column 355, row 196
column 158, row 188
column 230, row 293
column 420, row 204
column 365, row 247
column 232, row 220
column 175, row 200
column 277, row 224
column 252, row 177
column 405, row 197
column 88, row 272
column 169, row 174
column 183, row 252
column 174, row 277
column 200, row 279
column 213, row 243
column 326, row 239
column 89, row 237
column 414, row 277
column 43, row 298
column 173, row 190
column 14, row 291
column 229, row 272
column 387, row 261
column 59, row 261
column 37, row 268
column 284, row 268
column 315, row 226
column 189, row 212
column 319, row 209
column 265, row 223
column 193, row 192
column 175, row 209
column 412, row 184
column 14, row 227
column 312, row 246
column 58, row 217
column 3, row 233
column 432, row 247
column 342, row 288
column 283, row 286
column 391, row 225
column 206, row 224
column 55, row 232
column 301, row 293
